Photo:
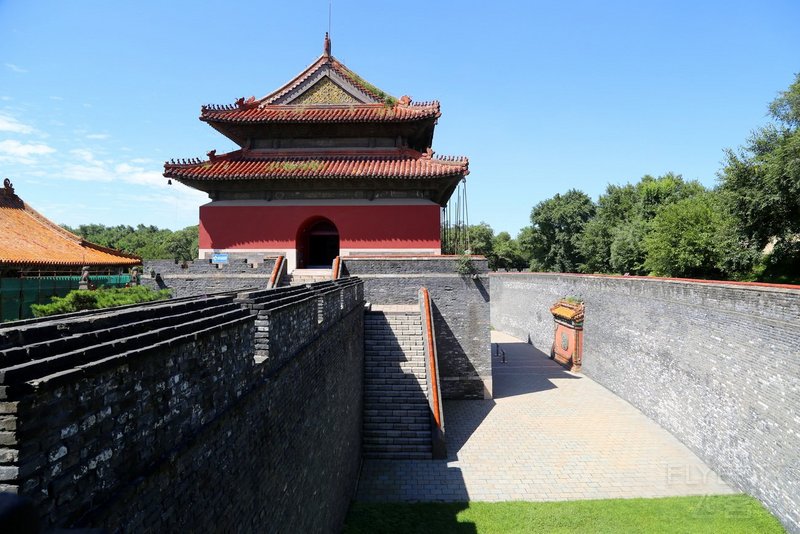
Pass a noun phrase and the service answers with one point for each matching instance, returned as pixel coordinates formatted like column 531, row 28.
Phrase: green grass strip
column 715, row 513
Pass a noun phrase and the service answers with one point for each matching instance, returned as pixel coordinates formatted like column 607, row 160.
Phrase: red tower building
column 329, row 165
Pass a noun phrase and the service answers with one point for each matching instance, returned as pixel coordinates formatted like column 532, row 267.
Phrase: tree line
column 148, row 242
column 747, row 227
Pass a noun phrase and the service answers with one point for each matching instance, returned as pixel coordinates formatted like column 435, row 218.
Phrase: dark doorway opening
column 317, row 244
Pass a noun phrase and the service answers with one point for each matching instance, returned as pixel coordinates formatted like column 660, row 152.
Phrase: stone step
column 400, row 360
column 408, row 404
column 394, row 354
column 388, row 426
column 395, row 447
column 423, row 442
column 374, row 455
column 396, row 390
column 395, row 420
column 390, row 380
column 390, row 433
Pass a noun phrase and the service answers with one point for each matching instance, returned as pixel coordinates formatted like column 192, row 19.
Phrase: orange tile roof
column 28, row 238
column 321, row 113
column 250, row 165
column 323, row 61
column 380, row 106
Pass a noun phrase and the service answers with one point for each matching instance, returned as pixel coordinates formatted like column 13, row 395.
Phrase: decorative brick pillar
column 568, row 340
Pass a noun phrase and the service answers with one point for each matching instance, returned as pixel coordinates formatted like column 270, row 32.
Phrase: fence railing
column 18, row 293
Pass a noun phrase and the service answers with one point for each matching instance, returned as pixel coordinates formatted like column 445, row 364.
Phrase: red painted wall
column 385, row 227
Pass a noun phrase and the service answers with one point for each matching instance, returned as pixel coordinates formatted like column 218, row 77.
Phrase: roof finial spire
column 327, row 49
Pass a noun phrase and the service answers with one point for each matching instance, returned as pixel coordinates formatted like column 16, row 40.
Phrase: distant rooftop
column 28, row 239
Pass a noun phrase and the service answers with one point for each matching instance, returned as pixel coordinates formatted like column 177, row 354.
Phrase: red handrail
column 276, row 269
column 433, row 379
column 335, row 272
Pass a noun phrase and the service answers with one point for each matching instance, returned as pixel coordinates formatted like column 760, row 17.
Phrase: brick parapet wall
column 201, row 277
column 716, row 364
column 195, row 434
column 460, row 310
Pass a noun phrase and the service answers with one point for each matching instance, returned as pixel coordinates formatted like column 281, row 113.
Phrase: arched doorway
column 317, row 243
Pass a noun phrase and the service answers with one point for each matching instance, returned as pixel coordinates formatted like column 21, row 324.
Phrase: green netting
column 17, row 294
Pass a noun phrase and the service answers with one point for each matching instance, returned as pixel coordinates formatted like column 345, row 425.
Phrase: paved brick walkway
column 547, row 435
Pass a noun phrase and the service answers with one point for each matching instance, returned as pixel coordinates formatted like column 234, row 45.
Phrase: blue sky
column 541, row 96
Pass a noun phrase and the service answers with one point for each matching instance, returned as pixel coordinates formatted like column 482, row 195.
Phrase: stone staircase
column 397, row 419
column 301, row 277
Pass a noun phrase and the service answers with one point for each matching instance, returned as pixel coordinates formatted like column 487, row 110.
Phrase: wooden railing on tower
column 278, row 272
column 438, row 443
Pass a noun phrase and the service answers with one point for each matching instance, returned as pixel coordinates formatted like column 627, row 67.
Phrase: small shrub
column 465, row 266
column 81, row 299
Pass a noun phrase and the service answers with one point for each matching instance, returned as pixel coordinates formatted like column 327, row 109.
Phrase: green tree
column 183, row 244
column 558, row 225
column 147, row 241
column 507, row 252
column 628, row 251
column 691, row 238
column 480, row 238
column 763, row 179
column 612, row 241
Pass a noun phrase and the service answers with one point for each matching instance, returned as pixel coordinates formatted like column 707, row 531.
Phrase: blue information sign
column 219, row 258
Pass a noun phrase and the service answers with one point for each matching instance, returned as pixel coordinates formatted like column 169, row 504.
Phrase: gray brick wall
column 460, row 308
column 718, row 365
column 201, row 277
column 197, row 435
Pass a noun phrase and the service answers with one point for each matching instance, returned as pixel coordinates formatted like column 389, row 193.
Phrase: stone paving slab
column 548, row 435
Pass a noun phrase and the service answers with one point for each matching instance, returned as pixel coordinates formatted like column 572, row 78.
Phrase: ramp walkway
column 548, row 435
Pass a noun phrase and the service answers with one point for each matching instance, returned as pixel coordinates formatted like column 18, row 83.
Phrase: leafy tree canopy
column 149, row 242
column 557, row 227
column 763, row 182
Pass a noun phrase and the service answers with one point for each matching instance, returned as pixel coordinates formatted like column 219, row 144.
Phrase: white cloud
column 10, row 124
column 85, row 173
column 15, row 68
column 138, row 175
column 86, row 166
column 13, row 150
column 5, row 98
column 97, row 136
column 56, row 98
column 84, row 155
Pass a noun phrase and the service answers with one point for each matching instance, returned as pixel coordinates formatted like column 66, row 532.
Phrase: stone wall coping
column 758, row 286
column 78, row 372
column 449, row 257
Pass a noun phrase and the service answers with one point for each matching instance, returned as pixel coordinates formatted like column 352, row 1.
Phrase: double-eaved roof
column 28, row 239
column 248, row 165
column 326, row 123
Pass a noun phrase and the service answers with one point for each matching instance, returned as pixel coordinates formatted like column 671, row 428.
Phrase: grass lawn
column 717, row 513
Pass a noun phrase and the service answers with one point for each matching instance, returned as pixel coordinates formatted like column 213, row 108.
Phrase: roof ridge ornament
column 250, row 103
column 326, row 49
column 8, row 186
